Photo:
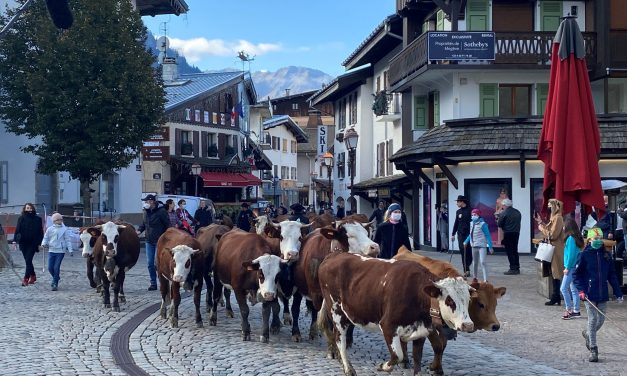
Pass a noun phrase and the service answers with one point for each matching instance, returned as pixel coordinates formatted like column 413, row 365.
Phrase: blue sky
column 278, row 33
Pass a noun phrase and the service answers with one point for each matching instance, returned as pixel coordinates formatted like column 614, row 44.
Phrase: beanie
column 393, row 207
column 57, row 216
column 476, row 211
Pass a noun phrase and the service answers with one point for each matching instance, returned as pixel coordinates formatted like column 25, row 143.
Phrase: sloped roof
column 157, row 7
column 190, row 86
column 378, row 43
column 286, row 120
column 382, row 181
column 342, row 84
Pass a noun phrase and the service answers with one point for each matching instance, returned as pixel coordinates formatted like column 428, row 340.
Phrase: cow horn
column 121, row 226
column 371, row 223
column 302, row 225
column 275, row 225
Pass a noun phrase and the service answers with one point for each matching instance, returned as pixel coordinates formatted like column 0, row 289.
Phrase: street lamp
column 275, row 181
column 350, row 140
column 327, row 160
column 196, row 170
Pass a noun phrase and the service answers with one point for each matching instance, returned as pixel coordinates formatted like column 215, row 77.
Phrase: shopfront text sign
column 322, row 139
column 467, row 45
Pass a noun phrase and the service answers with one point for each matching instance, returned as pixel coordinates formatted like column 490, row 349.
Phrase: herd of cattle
column 332, row 264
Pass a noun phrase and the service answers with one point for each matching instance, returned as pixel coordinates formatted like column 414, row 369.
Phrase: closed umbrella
column 570, row 142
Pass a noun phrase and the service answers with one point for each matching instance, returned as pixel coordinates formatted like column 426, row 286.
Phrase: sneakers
column 54, row 287
column 566, row 315
column 152, row 287
column 575, row 314
column 25, row 282
column 553, row 302
column 467, row 274
column 584, row 333
column 512, row 272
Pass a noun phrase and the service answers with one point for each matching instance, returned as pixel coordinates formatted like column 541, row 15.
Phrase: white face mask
column 182, row 206
column 474, row 217
column 395, row 216
column 146, row 205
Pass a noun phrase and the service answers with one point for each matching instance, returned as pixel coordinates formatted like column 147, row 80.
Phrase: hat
column 297, row 207
column 244, row 204
column 476, row 211
column 149, row 198
column 462, row 198
column 506, row 202
column 393, row 207
column 594, row 232
column 56, row 217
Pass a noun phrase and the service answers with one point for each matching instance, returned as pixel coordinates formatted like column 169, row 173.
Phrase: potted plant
column 380, row 105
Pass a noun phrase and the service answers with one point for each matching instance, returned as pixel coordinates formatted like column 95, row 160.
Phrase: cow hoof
column 122, row 299
column 116, row 309
column 229, row 314
column 107, row 305
column 350, row 371
column 213, row 322
column 99, row 289
column 93, row 284
column 264, row 339
column 287, row 319
column 405, row 364
column 275, row 329
column 386, row 367
column 436, row 371
column 246, row 336
column 208, row 310
column 199, row 324
column 175, row 323
column 221, row 302
column 296, row 338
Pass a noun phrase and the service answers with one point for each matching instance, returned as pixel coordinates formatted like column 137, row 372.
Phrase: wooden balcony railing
column 533, row 48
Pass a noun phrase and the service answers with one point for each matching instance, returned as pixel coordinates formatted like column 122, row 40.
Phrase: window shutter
column 488, row 100
column 550, row 15
column 420, row 111
column 436, row 108
column 439, row 25
column 381, row 157
column 477, row 14
column 205, row 143
column 196, row 139
column 390, row 152
column 177, row 142
column 542, row 92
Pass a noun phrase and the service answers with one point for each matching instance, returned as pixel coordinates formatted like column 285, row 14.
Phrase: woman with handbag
column 554, row 232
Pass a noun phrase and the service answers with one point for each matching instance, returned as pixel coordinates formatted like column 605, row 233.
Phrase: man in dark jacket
column 156, row 221
column 297, row 213
column 203, row 215
column 461, row 227
column 392, row 233
column 378, row 213
column 244, row 217
column 509, row 221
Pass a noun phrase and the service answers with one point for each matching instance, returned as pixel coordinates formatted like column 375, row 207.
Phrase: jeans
column 479, row 255
column 28, row 251
column 54, row 266
column 595, row 320
column 151, row 250
column 510, row 242
column 569, row 292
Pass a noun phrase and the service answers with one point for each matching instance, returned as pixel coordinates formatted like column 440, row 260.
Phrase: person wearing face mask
column 186, row 220
column 595, row 268
column 28, row 234
column 156, row 222
column 391, row 234
column 56, row 240
column 480, row 240
column 554, row 231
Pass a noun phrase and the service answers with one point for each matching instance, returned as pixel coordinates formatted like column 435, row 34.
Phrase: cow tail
column 314, row 265
column 325, row 323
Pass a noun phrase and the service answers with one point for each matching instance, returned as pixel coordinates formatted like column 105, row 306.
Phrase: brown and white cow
column 350, row 237
column 482, row 308
column 401, row 298
column 88, row 240
column 178, row 257
column 208, row 238
column 115, row 252
column 244, row 263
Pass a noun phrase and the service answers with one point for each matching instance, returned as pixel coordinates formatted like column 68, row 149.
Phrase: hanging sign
column 323, row 131
column 466, row 45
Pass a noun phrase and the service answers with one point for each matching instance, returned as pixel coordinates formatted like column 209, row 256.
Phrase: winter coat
column 378, row 215
column 243, row 219
column 571, row 253
column 57, row 239
column 29, row 230
column 509, row 220
column 554, row 231
column 479, row 235
column 204, row 217
column 390, row 236
column 461, row 227
column 595, row 268
column 156, row 221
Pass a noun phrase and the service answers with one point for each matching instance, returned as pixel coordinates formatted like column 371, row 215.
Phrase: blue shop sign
column 466, row 45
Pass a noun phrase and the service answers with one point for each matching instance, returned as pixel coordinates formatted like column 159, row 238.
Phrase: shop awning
column 229, row 179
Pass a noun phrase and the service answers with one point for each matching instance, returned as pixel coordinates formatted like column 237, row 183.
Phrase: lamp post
column 350, row 140
column 327, row 160
column 196, row 170
column 275, row 181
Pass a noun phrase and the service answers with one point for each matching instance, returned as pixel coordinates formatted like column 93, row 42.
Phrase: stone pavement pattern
column 68, row 332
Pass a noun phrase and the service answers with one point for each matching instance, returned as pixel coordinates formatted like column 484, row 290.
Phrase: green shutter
column 420, row 111
column 550, row 15
column 439, row 24
column 477, row 15
column 425, row 27
column 488, row 100
column 542, row 92
column 436, row 108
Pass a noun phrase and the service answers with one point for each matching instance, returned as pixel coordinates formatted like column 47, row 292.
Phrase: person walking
column 169, row 207
column 442, row 226
column 461, row 228
column 56, row 240
column 574, row 245
column 595, row 268
column 244, row 217
column 391, row 234
column 297, row 213
column 29, row 233
column 378, row 213
column 185, row 219
column 479, row 240
column 508, row 220
column 554, row 232
column 156, row 222
column 203, row 215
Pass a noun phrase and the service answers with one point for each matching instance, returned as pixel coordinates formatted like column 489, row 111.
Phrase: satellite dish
column 163, row 43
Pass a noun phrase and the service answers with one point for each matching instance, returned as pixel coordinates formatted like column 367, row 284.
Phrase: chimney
column 170, row 69
column 315, row 118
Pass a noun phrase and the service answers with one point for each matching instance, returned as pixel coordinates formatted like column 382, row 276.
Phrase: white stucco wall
column 21, row 167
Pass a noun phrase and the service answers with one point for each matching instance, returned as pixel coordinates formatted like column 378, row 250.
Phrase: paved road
column 69, row 333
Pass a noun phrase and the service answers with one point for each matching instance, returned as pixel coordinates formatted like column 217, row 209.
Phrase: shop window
column 487, row 195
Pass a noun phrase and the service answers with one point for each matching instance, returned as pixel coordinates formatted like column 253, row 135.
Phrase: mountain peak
column 296, row 79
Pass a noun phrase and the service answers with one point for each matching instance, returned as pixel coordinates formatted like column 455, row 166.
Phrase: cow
column 320, row 221
column 208, row 239
column 115, row 252
column 481, row 309
column 349, row 236
column 403, row 299
column 88, row 239
column 244, row 263
column 179, row 256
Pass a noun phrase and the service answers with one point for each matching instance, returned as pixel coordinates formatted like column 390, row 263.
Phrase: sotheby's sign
column 466, row 45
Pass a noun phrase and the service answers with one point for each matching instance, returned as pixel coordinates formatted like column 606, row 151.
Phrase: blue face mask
column 596, row 243
column 56, row 224
column 474, row 218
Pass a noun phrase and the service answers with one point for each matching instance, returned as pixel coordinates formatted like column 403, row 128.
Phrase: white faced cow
column 291, row 237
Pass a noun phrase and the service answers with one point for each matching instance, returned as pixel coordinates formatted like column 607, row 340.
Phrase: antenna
column 245, row 58
column 162, row 42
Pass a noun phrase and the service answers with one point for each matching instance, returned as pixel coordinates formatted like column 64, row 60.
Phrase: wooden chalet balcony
column 515, row 48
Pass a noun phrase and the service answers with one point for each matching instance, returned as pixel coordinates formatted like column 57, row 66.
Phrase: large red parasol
column 570, row 142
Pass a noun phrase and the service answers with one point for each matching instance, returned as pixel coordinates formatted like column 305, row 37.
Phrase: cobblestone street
column 68, row 332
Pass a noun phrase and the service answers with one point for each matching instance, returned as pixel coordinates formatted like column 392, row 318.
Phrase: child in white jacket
column 57, row 239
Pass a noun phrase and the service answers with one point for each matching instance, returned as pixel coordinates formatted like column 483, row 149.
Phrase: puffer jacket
column 595, row 268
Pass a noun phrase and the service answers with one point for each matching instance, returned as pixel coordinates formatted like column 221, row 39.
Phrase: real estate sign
column 463, row 45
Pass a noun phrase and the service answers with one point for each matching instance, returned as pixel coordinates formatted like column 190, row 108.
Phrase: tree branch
column 19, row 12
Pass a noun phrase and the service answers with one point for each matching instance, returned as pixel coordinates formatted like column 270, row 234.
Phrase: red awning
column 229, row 179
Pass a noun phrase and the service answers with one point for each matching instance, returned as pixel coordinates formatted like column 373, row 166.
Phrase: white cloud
column 196, row 49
